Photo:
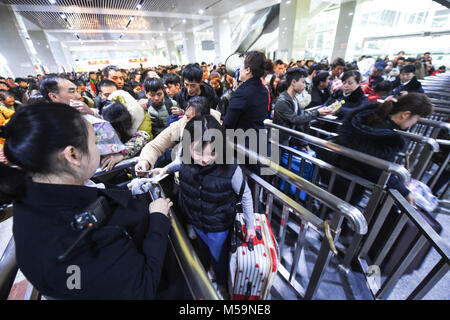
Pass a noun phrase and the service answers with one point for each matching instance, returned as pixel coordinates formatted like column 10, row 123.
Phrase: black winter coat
column 207, row 91
column 121, row 260
column 380, row 141
column 248, row 106
column 207, row 196
column 412, row 86
column 318, row 97
column 356, row 100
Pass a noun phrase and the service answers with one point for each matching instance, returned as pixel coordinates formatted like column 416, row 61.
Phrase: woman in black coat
column 371, row 130
column 123, row 258
column 350, row 92
column 249, row 104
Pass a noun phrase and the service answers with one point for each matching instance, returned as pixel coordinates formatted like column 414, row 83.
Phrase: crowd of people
column 50, row 156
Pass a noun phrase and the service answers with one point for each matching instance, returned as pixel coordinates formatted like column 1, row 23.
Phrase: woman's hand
column 161, row 205
column 176, row 111
column 141, row 168
column 411, row 199
column 144, row 104
column 158, row 171
column 250, row 234
column 111, row 160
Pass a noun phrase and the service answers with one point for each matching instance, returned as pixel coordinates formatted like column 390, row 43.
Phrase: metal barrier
column 420, row 149
column 330, row 230
column 426, row 234
column 377, row 189
column 8, row 269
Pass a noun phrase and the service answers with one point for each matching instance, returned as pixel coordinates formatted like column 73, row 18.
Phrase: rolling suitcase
column 253, row 265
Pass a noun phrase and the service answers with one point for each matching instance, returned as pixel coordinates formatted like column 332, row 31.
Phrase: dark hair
column 200, row 104
column 193, row 73
column 384, row 85
column 312, row 68
column 49, row 84
column 172, row 79
column 272, row 79
column 32, row 139
column 337, row 62
column 401, row 58
column 108, row 69
column 5, row 94
column 319, row 77
column 106, row 83
column 35, row 98
column 278, row 62
column 408, row 69
column 258, row 63
column 207, row 122
column 295, row 74
column 416, row 103
column 153, row 85
column 120, row 118
column 352, row 73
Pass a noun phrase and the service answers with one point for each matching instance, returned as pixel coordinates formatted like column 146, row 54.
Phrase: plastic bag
column 108, row 141
column 425, row 199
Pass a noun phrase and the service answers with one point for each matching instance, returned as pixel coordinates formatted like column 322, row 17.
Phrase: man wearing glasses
column 194, row 87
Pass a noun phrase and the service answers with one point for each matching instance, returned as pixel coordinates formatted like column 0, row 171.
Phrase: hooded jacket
column 380, row 141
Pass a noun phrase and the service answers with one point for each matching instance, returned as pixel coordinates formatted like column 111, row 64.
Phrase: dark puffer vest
column 207, row 196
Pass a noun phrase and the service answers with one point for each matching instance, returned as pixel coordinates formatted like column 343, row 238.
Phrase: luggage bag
column 253, row 265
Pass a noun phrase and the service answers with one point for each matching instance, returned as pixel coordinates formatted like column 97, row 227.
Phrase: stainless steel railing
column 330, row 229
column 426, row 235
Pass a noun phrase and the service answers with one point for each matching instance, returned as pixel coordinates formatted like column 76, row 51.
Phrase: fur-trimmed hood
column 133, row 107
column 381, row 141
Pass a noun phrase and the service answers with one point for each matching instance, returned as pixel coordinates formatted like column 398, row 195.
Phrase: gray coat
column 286, row 116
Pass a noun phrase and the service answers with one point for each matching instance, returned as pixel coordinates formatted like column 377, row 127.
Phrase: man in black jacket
column 287, row 111
column 194, row 87
column 319, row 90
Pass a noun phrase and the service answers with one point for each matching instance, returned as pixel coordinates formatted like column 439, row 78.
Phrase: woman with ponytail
column 52, row 153
column 371, row 130
column 249, row 103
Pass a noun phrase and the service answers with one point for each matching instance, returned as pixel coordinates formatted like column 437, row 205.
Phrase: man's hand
column 82, row 107
column 324, row 111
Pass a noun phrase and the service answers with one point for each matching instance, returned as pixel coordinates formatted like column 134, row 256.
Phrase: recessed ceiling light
column 52, row 1
column 201, row 11
column 184, row 20
column 139, row 5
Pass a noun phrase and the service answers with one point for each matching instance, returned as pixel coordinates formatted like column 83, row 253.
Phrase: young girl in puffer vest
column 209, row 191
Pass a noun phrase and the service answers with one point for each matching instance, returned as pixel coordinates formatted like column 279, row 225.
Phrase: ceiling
column 100, row 23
